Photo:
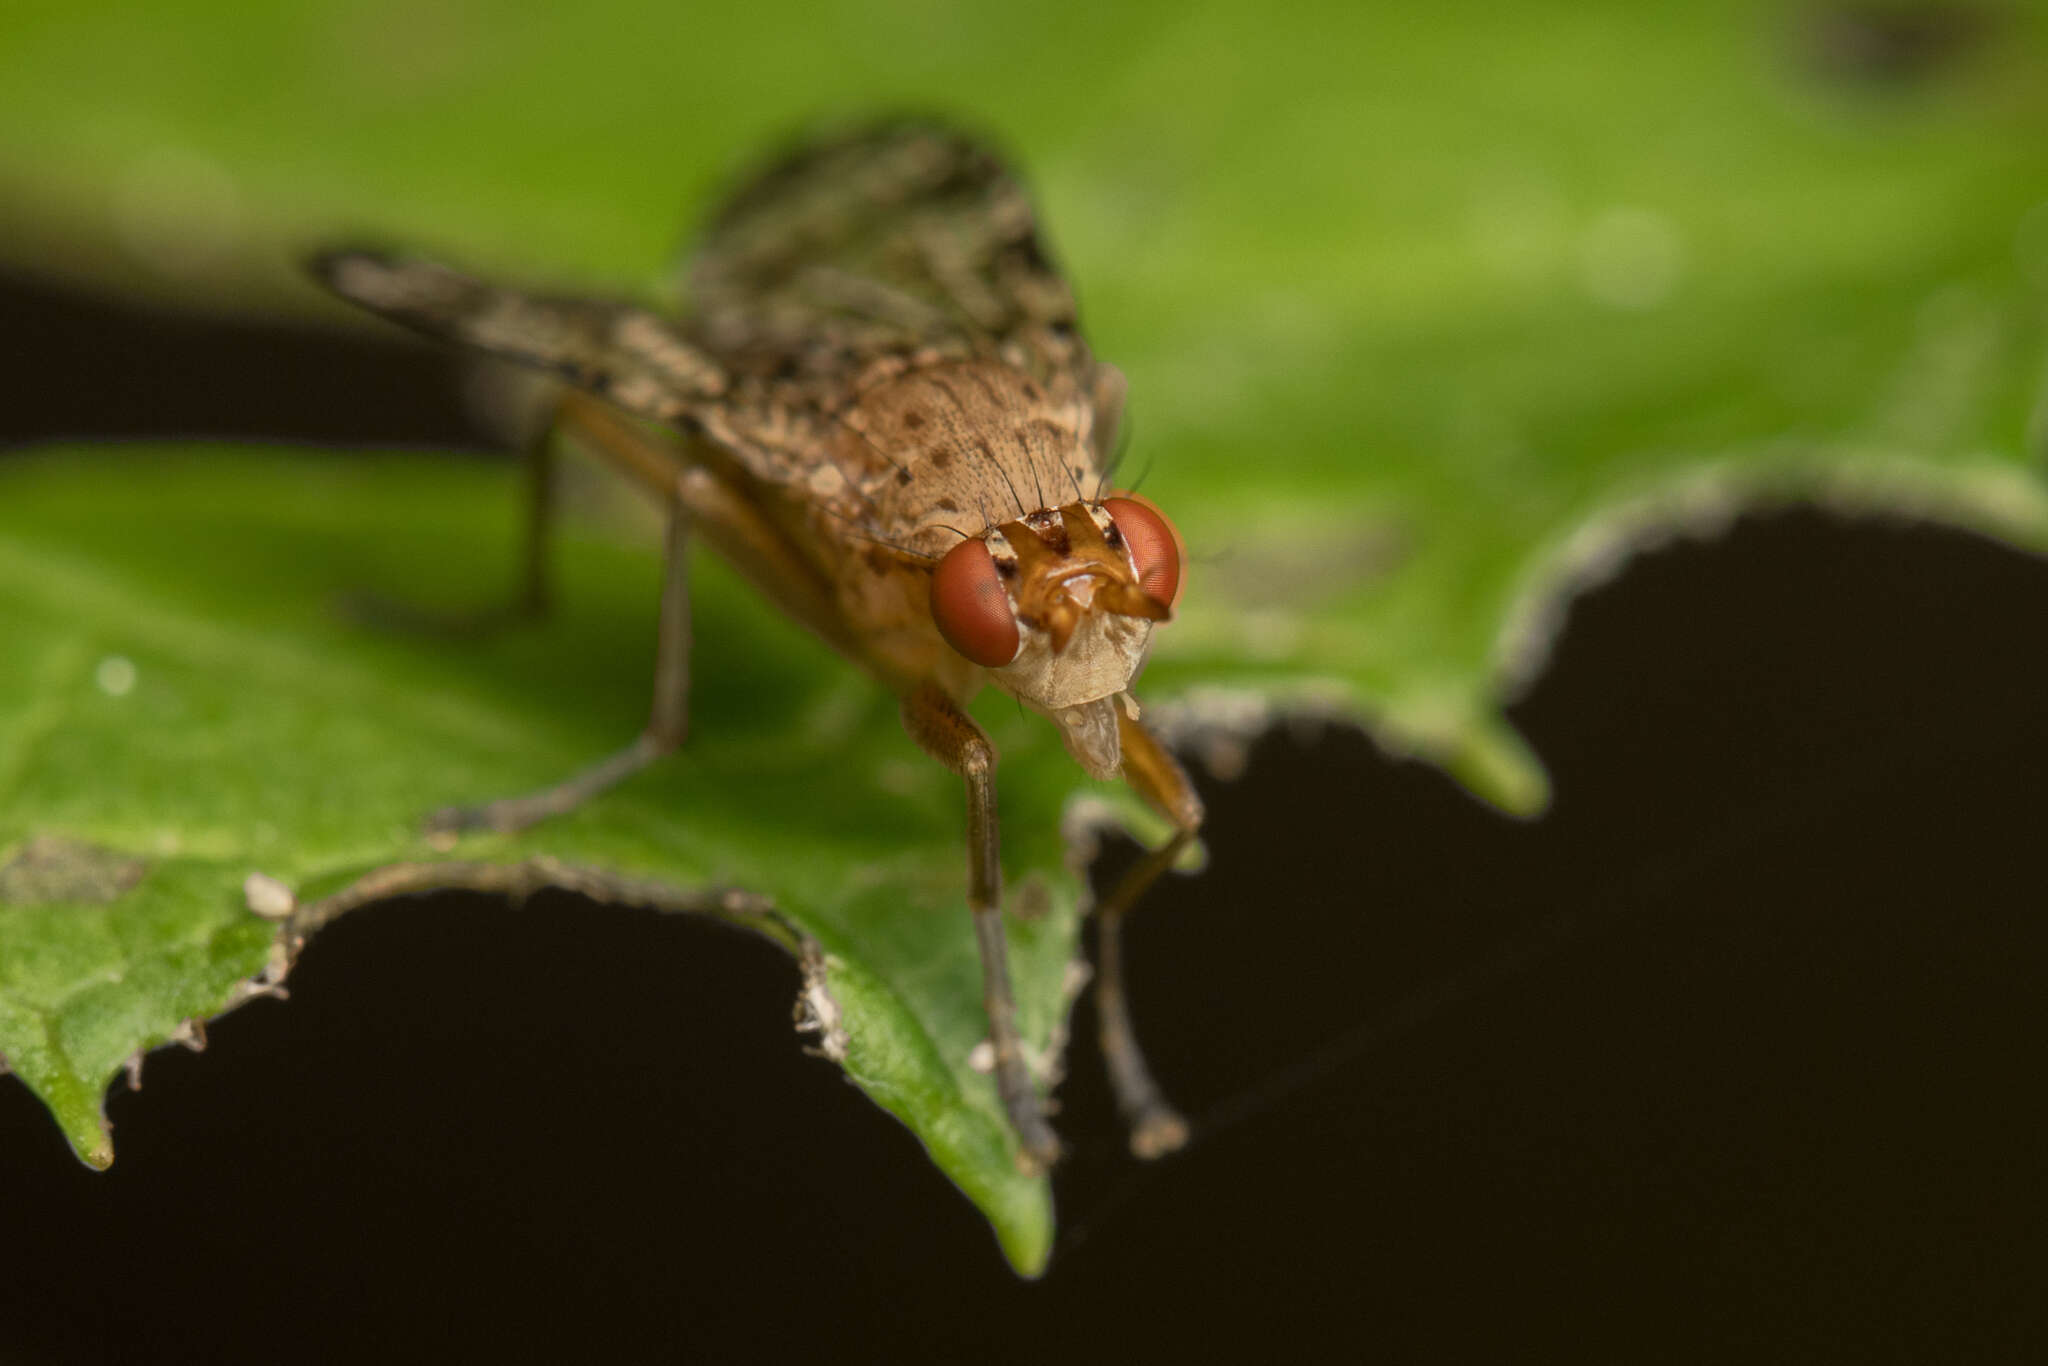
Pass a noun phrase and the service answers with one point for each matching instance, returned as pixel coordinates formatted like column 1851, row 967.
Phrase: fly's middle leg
column 698, row 501
column 530, row 596
column 667, row 722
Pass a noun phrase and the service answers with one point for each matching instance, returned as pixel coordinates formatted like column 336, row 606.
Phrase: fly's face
column 1059, row 607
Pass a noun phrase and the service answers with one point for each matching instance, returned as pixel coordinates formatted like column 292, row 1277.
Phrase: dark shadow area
column 1734, row 1056
column 80, row 365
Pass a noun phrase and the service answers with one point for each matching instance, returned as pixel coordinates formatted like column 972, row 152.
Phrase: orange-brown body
column 881, row 410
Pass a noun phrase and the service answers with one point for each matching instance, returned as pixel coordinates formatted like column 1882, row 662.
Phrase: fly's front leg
column 667, row 721
column 1156, row 1127
column 950, row 735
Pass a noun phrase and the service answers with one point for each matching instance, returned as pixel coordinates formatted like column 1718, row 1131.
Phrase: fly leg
column 1156, row 1127
column 698, row 501
column 950, row 735
column 530, row 598
column 667, row 722
column 529, row 601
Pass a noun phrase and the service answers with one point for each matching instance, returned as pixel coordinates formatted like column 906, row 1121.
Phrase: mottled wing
column 637, row 359
column 852, row 256
column 882, row 242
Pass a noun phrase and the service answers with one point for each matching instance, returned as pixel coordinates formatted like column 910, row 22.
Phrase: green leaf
column 186, row 693
column 1430, row 321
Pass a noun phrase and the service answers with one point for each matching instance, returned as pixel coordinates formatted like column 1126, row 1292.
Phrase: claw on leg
column 1038, row 1146
column 950, row 735
column 1156, row 1128
column 511, row 814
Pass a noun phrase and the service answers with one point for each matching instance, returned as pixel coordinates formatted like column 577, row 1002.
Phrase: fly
column 881, row 411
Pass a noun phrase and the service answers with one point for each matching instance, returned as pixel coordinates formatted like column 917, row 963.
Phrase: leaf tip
column 1493, row 760
column 93, row 1141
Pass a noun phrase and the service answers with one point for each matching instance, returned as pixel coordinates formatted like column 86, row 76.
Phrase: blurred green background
column 1411, row 297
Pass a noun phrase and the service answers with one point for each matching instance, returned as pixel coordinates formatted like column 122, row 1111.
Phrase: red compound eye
column 971, row 608
column 1155, row 546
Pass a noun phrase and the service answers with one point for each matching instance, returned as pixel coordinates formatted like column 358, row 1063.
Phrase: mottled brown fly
column 881, row 411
